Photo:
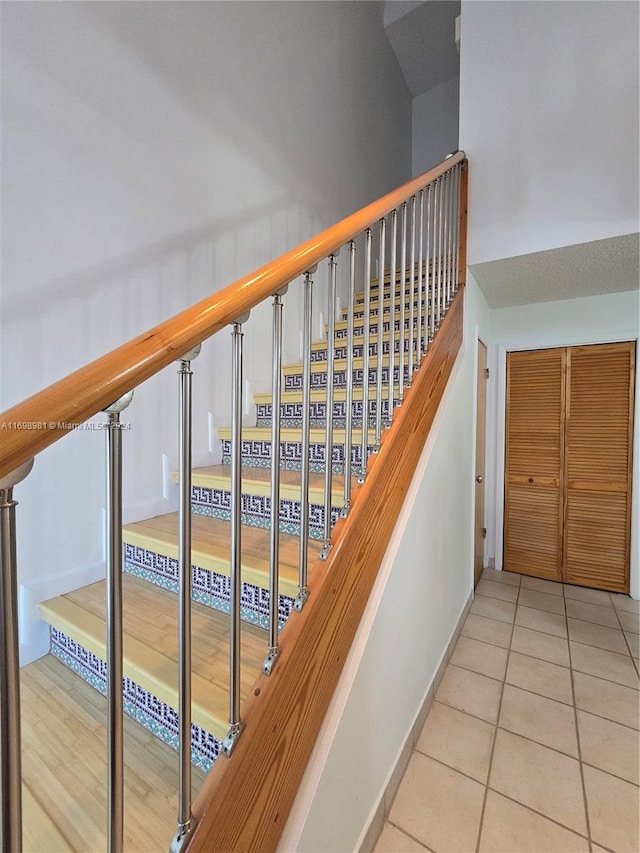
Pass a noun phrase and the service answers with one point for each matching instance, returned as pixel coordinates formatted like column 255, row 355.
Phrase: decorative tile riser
column 139, row 704
column 358, row 314
column 209, row 588
column 256, row 510
column 293, row 382
column 257, row 454
column 358, row 330
column 341, row 350
column 291, row 414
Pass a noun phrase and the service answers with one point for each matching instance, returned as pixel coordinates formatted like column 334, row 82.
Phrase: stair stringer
column 245, row 801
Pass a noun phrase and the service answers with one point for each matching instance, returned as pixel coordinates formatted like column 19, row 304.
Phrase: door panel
column 598, row 465
column 534, row 463
column 481, row 417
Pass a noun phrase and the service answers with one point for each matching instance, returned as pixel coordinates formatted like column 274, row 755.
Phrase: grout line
column 451, row 767
column 633, row 660
column 540, row 814
column 409, row 835
column 581, row 767
column 495, row 733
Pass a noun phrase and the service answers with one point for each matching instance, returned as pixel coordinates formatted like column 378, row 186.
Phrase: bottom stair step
column 64, row 769
column 150, row 663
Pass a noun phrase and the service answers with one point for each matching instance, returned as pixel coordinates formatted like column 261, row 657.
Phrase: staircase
column 150, row 547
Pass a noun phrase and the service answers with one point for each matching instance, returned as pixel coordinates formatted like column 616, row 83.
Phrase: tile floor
column 532, row 742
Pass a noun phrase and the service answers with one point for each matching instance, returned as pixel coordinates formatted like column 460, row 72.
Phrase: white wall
column 151, row 154
column 424, row 582
column 572, row 322
column 549, row 120
column 434, row 125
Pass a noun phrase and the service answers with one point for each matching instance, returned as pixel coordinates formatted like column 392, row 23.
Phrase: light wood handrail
column 82, row 394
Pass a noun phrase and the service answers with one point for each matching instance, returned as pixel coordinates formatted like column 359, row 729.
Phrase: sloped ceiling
column 422, row 35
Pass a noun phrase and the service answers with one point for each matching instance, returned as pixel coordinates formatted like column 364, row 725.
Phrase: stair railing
column 432, row 212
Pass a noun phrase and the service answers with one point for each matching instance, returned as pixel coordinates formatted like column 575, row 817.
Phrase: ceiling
column 586, row 269
column 422, row 35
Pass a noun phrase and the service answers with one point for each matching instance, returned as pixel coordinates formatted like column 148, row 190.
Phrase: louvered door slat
column 534, row 461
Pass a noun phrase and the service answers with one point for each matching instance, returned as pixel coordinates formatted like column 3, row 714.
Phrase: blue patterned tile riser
column 340, row 351
column 209, row 588
column 291, row 413
column 358, row 330
column 142, row 706
column 256, row 511
column 293, row 381
column 257, row 454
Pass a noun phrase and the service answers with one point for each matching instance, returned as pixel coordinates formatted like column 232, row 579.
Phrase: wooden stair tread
column 39, row 831
column 317, row 395
column 317, row 435
column 150, row 647
column 211, row 538
column 64, row 768
column 341, row 364
column 257, row 481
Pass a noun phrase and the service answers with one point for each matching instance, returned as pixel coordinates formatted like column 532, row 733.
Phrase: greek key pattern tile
column 293, row 382
column 209, row 588
column 256, row 511
column 291, row 414
column 142, row 706
column 257, row 454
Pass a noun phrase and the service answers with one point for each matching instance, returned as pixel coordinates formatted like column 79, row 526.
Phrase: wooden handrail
column 82, row 394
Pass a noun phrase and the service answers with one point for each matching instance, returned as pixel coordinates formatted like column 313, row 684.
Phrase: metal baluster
column 403, row 266
column 392, row 311
column 274, row 516
column 185, row 818
column 421, row 300
column 392, row 284
column 235, row 726
column 434, row 260
column 348, row 427
column 412, row 261
column 445, row 243
column 364, row 444
column 456, row 240
column 450, row 239
column 303, row 591
column 428, row 274
column 440, row 270
column 328, row 450
column 115, row 755
column 10, row 739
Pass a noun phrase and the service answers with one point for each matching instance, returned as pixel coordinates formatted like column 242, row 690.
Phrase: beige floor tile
column 592, row 613
column 468, row 691
column 438, row 806
column 487, row 630
column 583, row 593
column 541, row 778
column 609, row 746
column 393, row 840
column 629, row 621
column 480, row 657
column 604, row 664
column 539, row 676
column 613, row 811
column 456, row 739
column 597, row 635
column 633, row 641
column 606, row 699
column 502, row 611
column 540, row 620
column 543, row 646
column 501, row 577
column 541, row 585
column 623, row 602
column 508, row 827
column 503, row 591
column 542, row 601
column 538, row 718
